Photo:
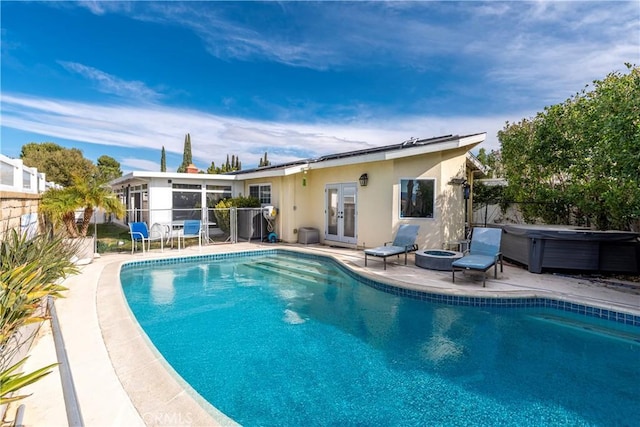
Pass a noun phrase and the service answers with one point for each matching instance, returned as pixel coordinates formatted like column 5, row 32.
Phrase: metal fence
column 228, row 225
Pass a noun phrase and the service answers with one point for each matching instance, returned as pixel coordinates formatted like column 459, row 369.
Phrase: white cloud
column 110, row 84
column 133, row 163
column 213, row 136
column 98, row 7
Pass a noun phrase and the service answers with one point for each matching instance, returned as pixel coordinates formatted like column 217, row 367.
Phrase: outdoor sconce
column 364, row 180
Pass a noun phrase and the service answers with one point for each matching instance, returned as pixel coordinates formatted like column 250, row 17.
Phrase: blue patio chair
column 404, row 243
column 484, row 253
column 140, row 233
column 191, row 228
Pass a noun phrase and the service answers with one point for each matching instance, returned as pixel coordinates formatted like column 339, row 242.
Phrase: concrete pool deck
column 121, row 380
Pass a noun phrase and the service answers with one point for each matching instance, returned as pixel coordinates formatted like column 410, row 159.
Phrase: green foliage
column 163, row 160
column 29, row 272
column 108, row 169
column 487, row 194
column 23, row 290
column 264, row 161
column 11, row 380
column 51, row 252
column 223, row 206
column 579, row 161
column 59, row 164
column 187, row 158
column 212, row 169
column 86, row 194
column 228, row 166
column 59, row 205
column 493, row 160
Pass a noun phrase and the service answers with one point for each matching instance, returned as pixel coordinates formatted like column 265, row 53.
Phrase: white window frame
column 261, row 197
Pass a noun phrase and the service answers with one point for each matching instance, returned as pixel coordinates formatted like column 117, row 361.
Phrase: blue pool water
column 279, row 340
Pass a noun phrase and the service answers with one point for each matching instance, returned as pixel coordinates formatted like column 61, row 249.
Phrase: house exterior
column 21, row 189
column 354, row 199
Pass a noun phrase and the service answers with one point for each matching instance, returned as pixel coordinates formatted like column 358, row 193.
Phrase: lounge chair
column 191, row 228
column 140, row 233
column 404, row 243
column 484, row 253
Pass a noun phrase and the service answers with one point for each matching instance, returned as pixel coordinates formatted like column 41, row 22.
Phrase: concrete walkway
column 121, row 380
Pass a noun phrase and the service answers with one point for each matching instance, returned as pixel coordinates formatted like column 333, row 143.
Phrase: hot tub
column 571, row 248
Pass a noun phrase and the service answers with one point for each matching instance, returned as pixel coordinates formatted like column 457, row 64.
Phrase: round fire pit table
column 436, row 259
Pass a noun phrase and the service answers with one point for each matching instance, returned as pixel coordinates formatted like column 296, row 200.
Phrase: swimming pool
column 269, row 342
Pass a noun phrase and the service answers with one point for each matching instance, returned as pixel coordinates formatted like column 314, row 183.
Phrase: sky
column 294, row 79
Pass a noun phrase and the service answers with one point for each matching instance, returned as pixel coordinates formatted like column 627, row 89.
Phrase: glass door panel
column 340, row 211
column 349, row 212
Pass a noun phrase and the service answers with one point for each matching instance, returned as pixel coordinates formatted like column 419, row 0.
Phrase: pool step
column 300, row 265
column 311, row 272
column 588, row 327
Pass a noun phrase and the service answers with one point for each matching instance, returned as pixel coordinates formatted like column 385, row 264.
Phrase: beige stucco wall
column 13, row 205
column 451, row 198
column 378, row 203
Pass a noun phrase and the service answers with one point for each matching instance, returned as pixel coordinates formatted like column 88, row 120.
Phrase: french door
column 340, row 212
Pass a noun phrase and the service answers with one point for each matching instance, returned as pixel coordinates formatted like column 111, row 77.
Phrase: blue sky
column 295, row 79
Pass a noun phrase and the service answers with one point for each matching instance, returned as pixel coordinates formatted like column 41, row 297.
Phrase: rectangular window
column 186, row 205
column 26, row 180
column 187, row 186
column 417, row 198
column 6, row 174
column 261, row 192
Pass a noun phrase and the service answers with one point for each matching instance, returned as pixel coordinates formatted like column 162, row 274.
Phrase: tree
column 93, row 194
column 212, row 169
column 186, row 156
column 163, row 160
column 59, row 164
column 108, row 169
column 86, row 194
column 579, row 161
column 263, row 161
column 485, row 195
column 59, row 204
column 493, row 160
column 229, row 166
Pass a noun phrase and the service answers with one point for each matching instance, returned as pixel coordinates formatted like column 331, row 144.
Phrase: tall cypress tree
column 186, row 156
column 163, row 161
column 264, row 161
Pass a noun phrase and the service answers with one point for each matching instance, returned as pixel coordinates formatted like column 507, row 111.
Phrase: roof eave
column 146, row 175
